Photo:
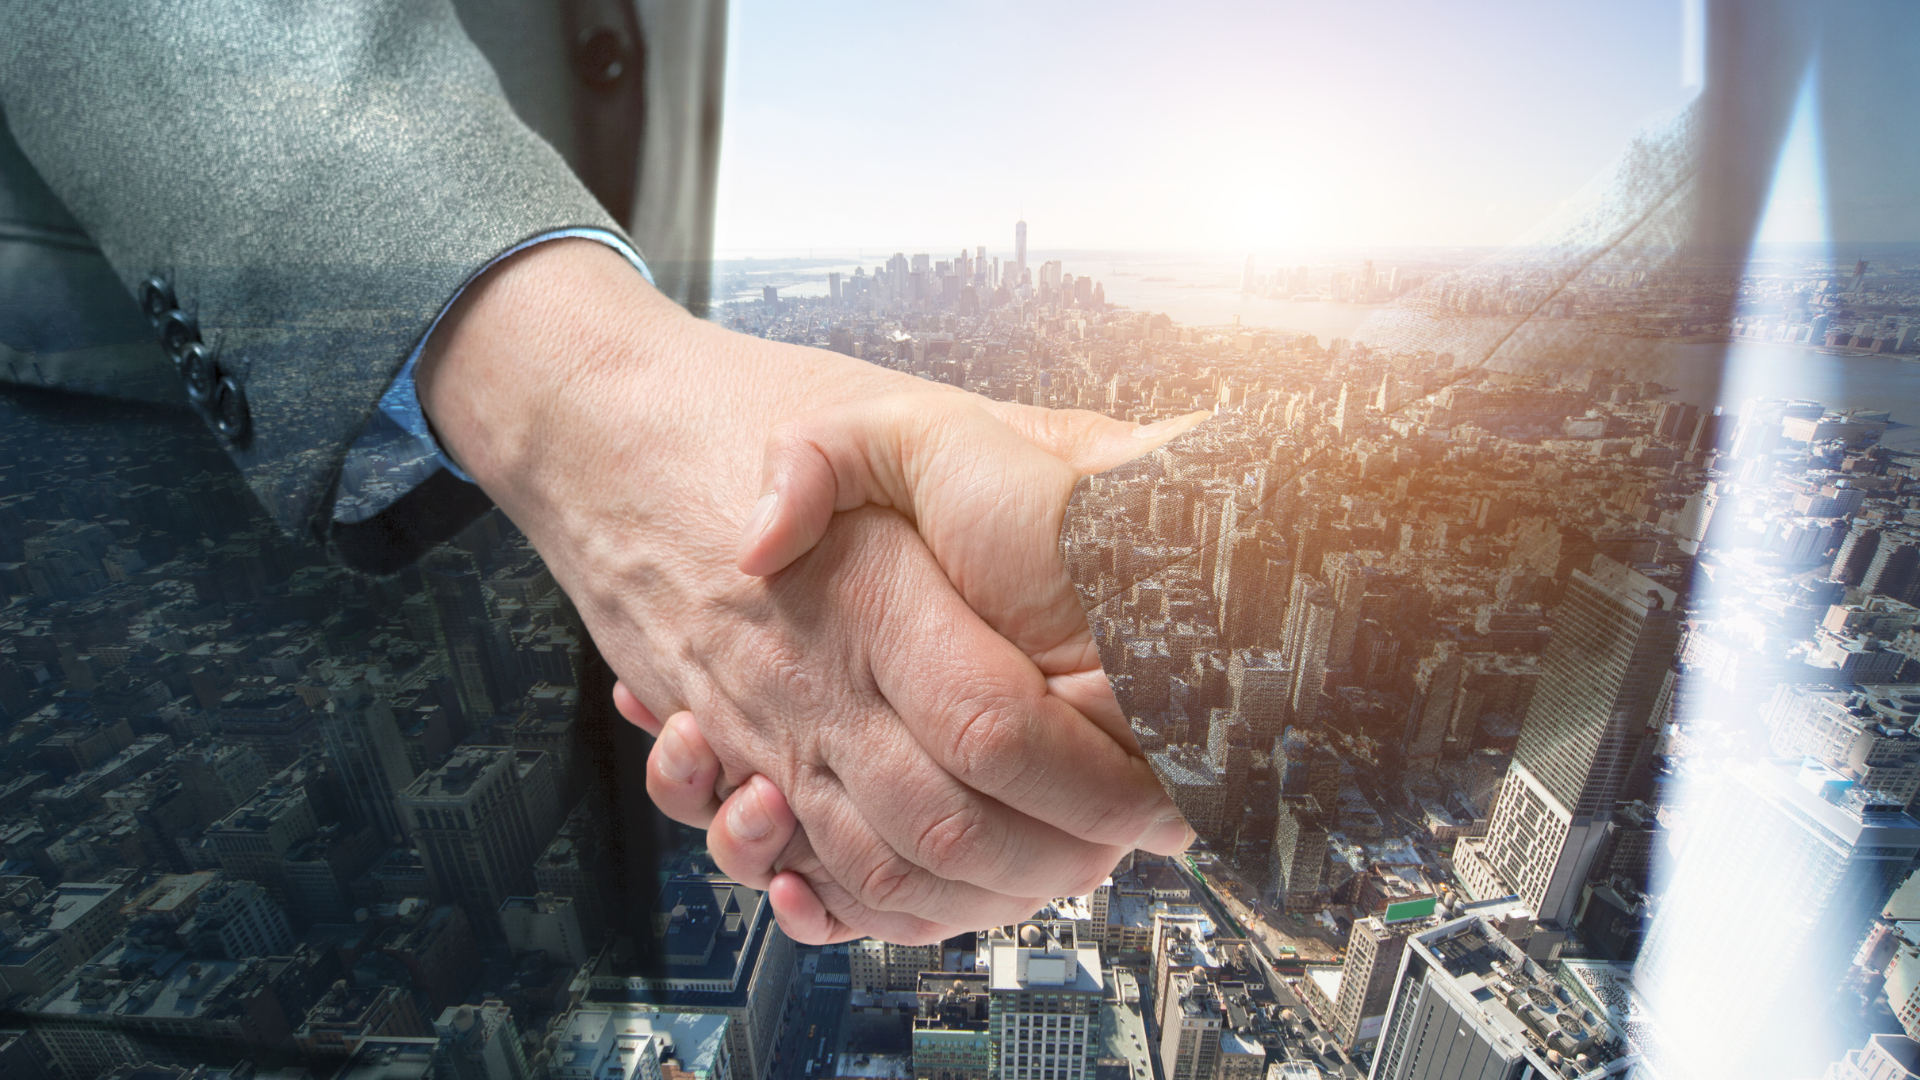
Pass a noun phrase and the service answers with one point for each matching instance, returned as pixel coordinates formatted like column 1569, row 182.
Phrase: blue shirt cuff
column 397, row 452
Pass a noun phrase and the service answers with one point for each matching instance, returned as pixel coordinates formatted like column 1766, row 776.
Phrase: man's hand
column 939, row 785
column 993, row 532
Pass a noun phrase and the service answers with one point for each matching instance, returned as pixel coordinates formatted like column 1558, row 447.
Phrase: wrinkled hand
column 937, row 783
column 986, row 484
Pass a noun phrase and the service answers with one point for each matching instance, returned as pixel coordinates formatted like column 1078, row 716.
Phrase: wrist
column 520, row 347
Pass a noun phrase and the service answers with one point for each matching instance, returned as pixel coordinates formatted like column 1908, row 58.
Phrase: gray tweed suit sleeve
column 312, row 181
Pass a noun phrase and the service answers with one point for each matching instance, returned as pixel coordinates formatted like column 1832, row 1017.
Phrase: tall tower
column 1799, row 855
column 479, row 650
column 364, row 739
column 1019, row 252
column 479, row 820
column 1614, row 638
column 1190, row 1034
column 1043, row 1008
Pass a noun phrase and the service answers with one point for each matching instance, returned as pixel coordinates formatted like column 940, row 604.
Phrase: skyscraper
column 1298, row 864
column 1019, row 253
column 1795, row 854
column 479, row 821
column 1190, row 1036
column 1044, row 1004
column 1468, row 1003
column 1584, row 737
column 364, row 739
column 478, row 646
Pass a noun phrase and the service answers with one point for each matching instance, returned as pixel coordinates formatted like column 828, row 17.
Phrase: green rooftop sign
column 1410, row 909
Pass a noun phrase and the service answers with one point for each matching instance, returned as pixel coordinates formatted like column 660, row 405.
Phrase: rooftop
column 1523, row 1011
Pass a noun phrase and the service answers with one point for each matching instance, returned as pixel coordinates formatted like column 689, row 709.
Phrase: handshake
column 840, row 585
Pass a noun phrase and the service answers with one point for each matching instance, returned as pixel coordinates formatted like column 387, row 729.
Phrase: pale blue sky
column 1223, row 126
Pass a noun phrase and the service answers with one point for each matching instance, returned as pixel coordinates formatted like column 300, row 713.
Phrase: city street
column 815, row 1021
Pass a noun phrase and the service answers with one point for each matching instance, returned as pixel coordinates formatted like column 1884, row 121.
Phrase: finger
column 1090, row 694
column 1089, row 442
column 806, row 918
column 801, row 491
column 753, row 826
column 816, row 909
column 952, row 832
column 838, row 458
column 877, row 876
column 988, row 720
column 627, row 705
column 802, row 915
column 682, row 771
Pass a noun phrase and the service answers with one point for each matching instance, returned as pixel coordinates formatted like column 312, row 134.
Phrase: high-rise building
column 1191, row 1026
column 479, row 821
column 479, row 647
column 718, row 951
column 1044, row 1000
column 480, row 1042
column 639, row 1044
column 1374, row 949
column 235, row 920
column 218, row 777
column 1786, row 851
column 1584, row 740
column 1885, row 1057
column 253, row 840
column 364, row 740
column 1366, row 978
column 1298, row 862
column 951, row 1040
column 1891, row 570
column 1194, row 787
column 1862, row 733
column 1856, row 554
column 1308, row 637
column 1261, row 682
column 1019, row 253
column 1467, row 1002
column 879, row 966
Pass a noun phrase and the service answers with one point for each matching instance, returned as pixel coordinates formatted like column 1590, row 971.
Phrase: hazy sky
column 1215, row 126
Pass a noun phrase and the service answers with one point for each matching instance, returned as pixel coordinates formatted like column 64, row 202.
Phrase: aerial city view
column 1542, row 710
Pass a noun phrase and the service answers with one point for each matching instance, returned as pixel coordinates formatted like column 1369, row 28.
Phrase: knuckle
column 956, row 845
column 988, row 742
column 894, row 884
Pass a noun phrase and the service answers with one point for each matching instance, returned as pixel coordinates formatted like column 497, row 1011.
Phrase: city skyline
column 1203, row 130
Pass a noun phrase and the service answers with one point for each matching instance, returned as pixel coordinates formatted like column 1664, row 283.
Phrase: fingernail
column 1169, row 835
column 676, row 763
column 1169, row 427
column 748, row 817
column 762, row 515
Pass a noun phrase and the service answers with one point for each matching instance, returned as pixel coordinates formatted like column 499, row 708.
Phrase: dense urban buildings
column 1534, row 713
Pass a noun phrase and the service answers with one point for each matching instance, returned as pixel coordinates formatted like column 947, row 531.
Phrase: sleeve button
column 197, row 368
column 156, row 298
column 177, row 331
column 600, row 56
column 231, row 418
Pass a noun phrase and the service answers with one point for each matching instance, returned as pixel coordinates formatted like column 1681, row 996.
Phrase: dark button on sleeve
column 156, row 298
column 177, row 331
column 197, row 369
column 601, row 55
column 229, row 409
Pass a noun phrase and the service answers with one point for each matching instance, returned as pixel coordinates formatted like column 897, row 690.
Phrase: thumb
column 1087, row 441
